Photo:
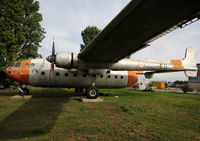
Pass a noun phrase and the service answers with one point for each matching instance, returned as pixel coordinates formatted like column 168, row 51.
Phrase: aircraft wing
column 138, row 24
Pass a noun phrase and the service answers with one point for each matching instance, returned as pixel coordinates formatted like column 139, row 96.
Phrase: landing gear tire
column 25, row 91
column 92, row 93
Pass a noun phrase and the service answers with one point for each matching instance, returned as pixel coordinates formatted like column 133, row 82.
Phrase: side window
column 27, row 64
column 42, row 73
column 32, row 64
column 17, row 64
column 66, row 74
column 57, row 73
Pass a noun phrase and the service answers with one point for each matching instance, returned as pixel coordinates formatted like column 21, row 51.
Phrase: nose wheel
column 23, row 91
column 92, row 92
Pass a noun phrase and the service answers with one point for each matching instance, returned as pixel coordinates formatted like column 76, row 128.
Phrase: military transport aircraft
column 103, row 63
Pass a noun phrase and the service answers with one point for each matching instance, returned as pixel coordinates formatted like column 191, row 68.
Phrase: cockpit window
column 11, row 65
column 17, row 64
column 27, row 64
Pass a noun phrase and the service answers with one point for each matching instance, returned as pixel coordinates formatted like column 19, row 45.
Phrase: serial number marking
column 162, row 66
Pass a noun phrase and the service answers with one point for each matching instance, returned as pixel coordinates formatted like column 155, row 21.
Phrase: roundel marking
column 141, row 64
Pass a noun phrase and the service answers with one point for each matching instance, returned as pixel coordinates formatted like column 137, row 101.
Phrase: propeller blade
column 53, row 49
column 53, row 56
column 52, row 66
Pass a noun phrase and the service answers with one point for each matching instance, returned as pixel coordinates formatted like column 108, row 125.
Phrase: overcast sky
column 65, row 19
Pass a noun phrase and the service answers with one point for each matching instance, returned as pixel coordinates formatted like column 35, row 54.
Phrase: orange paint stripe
column 132, row 78
column 177, row 64
column 139, row 72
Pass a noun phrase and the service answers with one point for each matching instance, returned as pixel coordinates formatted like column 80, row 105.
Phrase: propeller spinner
column 52, row 58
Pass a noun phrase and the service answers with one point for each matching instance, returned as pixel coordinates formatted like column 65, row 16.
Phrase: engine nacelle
column 65, row 60
column 148, row 75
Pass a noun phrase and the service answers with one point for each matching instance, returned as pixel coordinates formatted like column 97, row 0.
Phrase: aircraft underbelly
column 41, row 76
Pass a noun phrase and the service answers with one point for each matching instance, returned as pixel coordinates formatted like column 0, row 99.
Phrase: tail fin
column 189, row 62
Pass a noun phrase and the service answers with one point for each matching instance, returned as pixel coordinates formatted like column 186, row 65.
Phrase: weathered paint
column 115, row 79
column 21, row 73
column 177, row 64
column 132, row 78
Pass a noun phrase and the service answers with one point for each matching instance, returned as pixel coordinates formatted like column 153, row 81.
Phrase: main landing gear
column 92, row 92
column 23, row 91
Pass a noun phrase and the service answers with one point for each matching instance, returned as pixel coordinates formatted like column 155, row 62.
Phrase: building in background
column 194, row 82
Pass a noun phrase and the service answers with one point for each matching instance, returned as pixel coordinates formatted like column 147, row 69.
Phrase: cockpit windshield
column 17, row 64
column 11, row 65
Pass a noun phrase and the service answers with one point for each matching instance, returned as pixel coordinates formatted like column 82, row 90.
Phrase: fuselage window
column 42, row 73
column 17, row 64
column 32, row 64
column 115, row 76
column 108, row 76
column 35, row 71
column 101, row 76
column 66, row 74
column 57, row 73
column 122, row 77
column 108, row 71
column 75, row 75
column 27, row 64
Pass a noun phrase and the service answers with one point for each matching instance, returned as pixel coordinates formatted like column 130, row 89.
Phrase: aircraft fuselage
column 37, row 72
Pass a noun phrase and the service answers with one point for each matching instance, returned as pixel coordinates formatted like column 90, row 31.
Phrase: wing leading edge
column 140, row 22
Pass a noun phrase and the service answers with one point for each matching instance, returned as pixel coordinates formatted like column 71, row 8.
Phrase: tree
column 88, row 34
column 20, row 30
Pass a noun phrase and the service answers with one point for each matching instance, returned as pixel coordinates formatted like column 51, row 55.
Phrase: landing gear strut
column 23, row 91
column 92, row 92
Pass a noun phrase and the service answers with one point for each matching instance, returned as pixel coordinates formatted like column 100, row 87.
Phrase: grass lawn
column 55, row 114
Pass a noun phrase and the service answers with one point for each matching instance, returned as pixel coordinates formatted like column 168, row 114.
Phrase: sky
column 64, row 20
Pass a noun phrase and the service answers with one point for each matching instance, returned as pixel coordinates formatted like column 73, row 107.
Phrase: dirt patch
column 115, row 111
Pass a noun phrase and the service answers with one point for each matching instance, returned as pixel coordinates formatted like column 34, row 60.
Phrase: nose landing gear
column 23, row 91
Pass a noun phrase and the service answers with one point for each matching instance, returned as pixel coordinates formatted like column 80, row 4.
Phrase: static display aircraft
column 103, row 63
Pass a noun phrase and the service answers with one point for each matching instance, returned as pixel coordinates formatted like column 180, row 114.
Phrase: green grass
column 56, row 114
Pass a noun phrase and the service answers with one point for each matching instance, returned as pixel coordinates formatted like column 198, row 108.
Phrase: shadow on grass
column 7, row 92
column 36, row 117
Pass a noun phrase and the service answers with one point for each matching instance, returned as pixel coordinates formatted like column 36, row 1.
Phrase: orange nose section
column 132, row 78
column 20, row 73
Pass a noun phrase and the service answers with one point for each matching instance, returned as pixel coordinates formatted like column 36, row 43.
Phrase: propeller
column 52, row 57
